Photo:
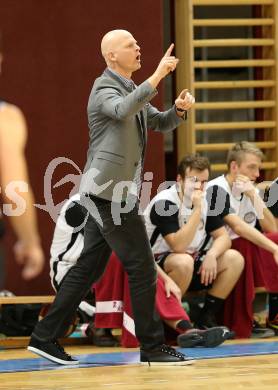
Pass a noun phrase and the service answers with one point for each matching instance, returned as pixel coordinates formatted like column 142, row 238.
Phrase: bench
column 26, row 299
column 22, row 341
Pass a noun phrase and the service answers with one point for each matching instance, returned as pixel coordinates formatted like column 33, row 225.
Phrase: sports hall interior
column 228, row 60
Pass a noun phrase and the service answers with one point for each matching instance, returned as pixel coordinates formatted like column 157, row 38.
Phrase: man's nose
column 198, row 185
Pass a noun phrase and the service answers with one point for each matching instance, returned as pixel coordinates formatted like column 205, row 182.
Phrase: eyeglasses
column 194, row 179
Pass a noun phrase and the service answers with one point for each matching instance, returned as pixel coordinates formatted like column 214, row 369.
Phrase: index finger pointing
column 169, row 50
column 183, row 93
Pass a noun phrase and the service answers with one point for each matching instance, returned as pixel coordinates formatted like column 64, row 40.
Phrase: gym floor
column 239, row 364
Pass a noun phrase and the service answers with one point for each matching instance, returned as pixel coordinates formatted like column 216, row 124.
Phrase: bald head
column 121, row 52
column 112, row 40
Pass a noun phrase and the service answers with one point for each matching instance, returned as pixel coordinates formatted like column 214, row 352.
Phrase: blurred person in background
column 17, row 195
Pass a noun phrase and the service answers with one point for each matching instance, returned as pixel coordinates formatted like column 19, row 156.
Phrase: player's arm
column 221, row 242
column 17, row 194
column 180, row 239
column 265, row 217
column 169, row 284
column 248, row 232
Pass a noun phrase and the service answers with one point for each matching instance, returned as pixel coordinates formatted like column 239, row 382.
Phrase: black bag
column 19, row 319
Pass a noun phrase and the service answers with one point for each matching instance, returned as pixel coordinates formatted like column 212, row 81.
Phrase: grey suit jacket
column 118, row 123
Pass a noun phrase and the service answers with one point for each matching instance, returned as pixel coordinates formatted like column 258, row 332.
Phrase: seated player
column 113, row 309
column 272, row 199
column 67, row 244
column 192, row 248
column 272, row 204
column 234, row 197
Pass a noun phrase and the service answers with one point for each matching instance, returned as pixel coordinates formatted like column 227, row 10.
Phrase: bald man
column 119, row 114
column 17, row 195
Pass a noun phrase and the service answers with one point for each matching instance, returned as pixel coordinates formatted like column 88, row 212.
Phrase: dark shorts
column 195, row 284
column 160, row 259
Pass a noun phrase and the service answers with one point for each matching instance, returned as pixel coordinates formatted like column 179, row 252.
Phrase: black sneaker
column 51, row 350
column 273, row 324
column 261, row 332
column 163, row 355
column 101, row 337
column 206, row 321
column 208, row 338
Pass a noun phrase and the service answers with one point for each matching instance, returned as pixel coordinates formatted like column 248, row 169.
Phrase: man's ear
column 233, row 167
column 180, row 183
column 111, row 57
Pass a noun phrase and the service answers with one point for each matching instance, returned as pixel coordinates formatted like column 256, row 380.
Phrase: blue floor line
column 128, row 358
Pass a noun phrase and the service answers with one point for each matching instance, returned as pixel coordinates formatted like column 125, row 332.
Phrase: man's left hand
column 245, row 185
column 172, row 287
column 208, row 269
column 184, row 101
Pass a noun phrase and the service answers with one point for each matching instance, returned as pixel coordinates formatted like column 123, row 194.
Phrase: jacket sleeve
column 163, row 121
column 116, row 106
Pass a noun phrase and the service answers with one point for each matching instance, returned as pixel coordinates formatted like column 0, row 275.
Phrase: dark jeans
column 130, row 242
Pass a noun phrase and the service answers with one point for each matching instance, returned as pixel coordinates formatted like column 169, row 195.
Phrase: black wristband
column 180, row 109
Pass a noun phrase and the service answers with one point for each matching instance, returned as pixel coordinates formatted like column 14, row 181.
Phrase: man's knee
column 181, row 263
column 232, row 259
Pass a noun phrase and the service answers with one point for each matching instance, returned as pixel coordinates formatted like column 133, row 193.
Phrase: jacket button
column 135, row 164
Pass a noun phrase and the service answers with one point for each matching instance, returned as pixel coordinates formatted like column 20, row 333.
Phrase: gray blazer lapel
column 108, row 73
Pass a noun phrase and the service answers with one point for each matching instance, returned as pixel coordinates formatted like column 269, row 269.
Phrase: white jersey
column 67, row 245
column 172, row 215
column 241, row 206
column 272, row 198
